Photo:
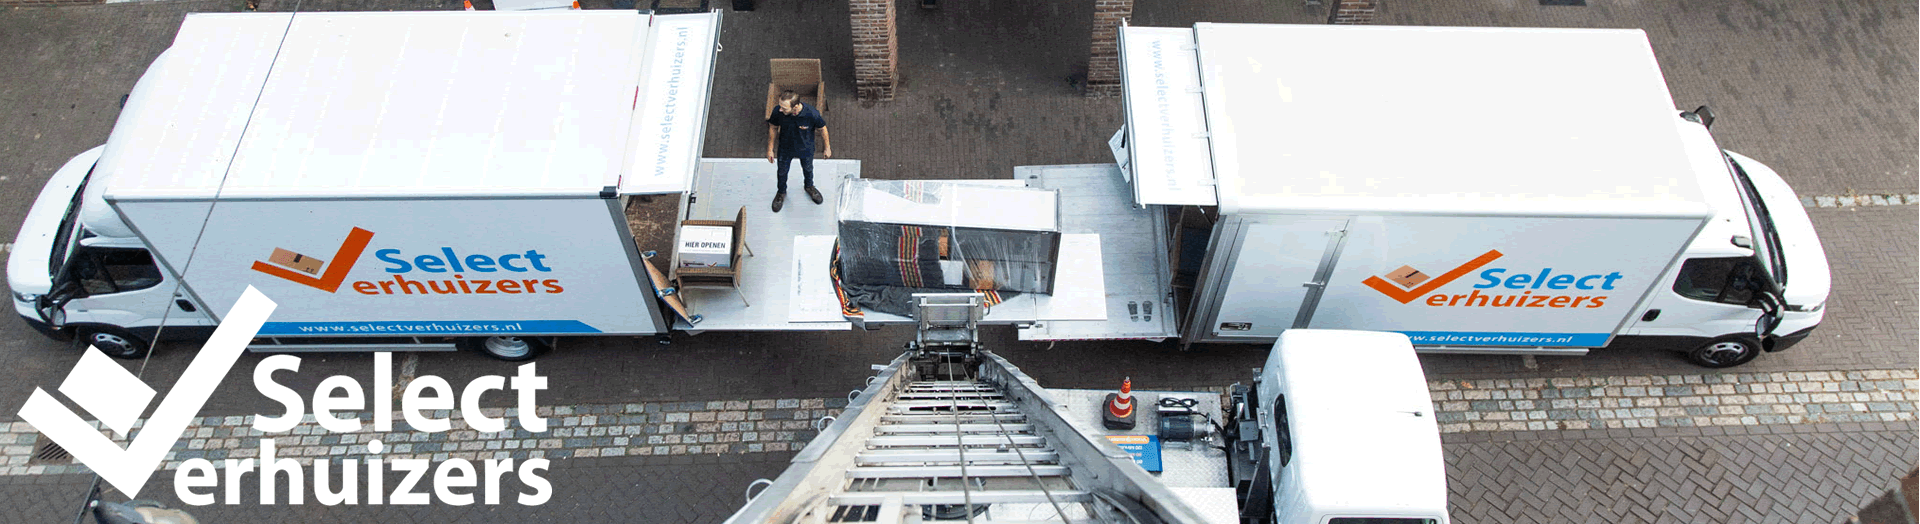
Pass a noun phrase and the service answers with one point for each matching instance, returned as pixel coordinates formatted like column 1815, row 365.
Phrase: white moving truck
column 423, row 181
column 1479, row 190
column 393, row 180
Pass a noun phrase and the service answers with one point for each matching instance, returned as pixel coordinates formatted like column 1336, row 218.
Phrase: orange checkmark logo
column 1407, row 296
column 336, row 273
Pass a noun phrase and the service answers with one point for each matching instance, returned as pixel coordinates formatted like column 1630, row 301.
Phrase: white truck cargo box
column 1472, row 188
column 411, row 173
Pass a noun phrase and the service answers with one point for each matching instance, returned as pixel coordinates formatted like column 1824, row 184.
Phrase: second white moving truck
column 1480, row 190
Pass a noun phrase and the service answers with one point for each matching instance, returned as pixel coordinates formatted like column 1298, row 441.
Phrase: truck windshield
column 64, row 239
column 1767, row 246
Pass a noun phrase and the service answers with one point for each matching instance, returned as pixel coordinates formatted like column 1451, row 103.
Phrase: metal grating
column 49, row 453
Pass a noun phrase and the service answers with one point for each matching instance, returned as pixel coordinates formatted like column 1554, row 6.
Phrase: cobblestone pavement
column 1720, row 447
column 1720, row 399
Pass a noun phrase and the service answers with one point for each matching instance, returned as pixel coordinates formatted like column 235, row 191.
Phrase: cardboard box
column 706, row 246
column 296, row 261
column 1407, row 276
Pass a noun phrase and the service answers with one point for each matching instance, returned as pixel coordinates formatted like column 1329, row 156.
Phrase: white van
column 1479, row 190
column 1347, row 433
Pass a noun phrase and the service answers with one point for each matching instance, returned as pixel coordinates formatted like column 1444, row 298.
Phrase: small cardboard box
column 1407, row 276
column 296, row 261
column 706, row 246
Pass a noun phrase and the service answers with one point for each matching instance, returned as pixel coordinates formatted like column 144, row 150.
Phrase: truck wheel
column 115, row 342
column 510, row 349
column 1725, row 352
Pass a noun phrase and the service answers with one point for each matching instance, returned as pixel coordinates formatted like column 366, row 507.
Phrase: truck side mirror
column 1702, row 114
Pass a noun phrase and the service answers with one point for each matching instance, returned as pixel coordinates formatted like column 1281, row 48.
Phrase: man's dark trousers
column 785, row 162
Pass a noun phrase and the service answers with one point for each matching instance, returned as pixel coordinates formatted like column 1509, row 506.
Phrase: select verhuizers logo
column 116, row 398
column 1556, row 288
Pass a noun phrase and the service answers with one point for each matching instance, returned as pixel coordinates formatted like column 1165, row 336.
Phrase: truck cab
column 1346, row 434
column 1754, row 280
column 72, row 276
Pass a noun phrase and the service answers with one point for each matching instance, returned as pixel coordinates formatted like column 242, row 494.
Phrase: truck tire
column 115, row 342
column 1725, row 352
column 510, row 349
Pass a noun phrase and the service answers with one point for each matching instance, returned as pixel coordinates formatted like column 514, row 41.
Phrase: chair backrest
column 802, row 75
column 739, row 234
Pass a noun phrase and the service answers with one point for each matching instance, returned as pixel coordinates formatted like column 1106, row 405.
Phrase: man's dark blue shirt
column 796, row 131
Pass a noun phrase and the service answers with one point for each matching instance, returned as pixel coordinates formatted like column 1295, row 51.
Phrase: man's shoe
column 815, row 195
column 779, row 200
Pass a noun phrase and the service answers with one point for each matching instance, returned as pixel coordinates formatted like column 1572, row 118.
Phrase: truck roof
column 306, row 105
column 1419, row 119
column 1363, row 426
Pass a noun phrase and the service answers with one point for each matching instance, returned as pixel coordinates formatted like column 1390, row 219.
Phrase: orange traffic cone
column 1119, row 412
column 468, row 4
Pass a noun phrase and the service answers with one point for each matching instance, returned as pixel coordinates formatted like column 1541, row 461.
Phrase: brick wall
column 876, row 49
column 1103, row 71
column 34, row 3
column 1352, row 11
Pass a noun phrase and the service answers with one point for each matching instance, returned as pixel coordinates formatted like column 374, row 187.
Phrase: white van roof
column 1427, row 119
column 317, row 105
column 1363, row 424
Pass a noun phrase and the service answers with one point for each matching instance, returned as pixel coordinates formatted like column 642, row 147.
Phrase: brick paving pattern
column 1809, row 473
column 655, row 490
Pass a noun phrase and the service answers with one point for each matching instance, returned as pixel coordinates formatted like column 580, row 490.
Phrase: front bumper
column 47, row 329
column 1783, row 342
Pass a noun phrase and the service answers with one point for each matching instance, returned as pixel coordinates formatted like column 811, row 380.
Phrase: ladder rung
column 956, row 387
column 949, row 418
column 898, row 429
column 998, row 521
column 911, row 405
column 950, row 440
column 956, row 395
column 903, row 472
column 951, row 456
column 958, row 497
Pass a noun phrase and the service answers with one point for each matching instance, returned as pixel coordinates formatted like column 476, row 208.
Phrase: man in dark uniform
column 790, row 132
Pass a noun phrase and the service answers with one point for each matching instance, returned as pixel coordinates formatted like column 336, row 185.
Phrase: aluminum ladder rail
column 911, row 441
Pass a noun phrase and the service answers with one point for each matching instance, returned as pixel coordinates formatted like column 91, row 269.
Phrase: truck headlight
column 26, row 297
